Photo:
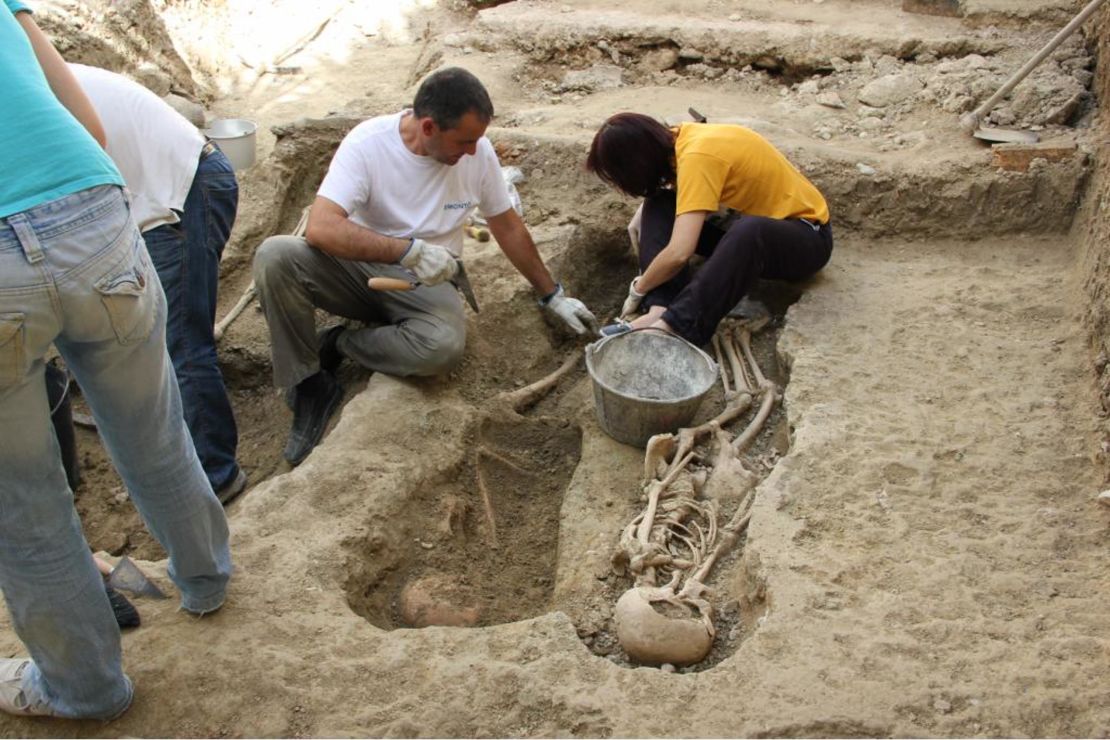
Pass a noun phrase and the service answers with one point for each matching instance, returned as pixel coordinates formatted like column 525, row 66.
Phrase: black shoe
column 753, row 314
column 315, row 399
column 126, row 614
column 328, row 339
column 230, row 490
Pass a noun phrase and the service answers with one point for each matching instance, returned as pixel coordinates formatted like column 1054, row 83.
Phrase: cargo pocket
column 12, row 352
column 128, row 296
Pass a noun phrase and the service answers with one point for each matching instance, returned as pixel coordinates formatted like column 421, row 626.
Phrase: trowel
column 126, row 576
column 1005, row 135
column 460, row 281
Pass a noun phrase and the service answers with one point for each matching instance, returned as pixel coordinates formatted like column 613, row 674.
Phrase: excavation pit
column 437, row 562
column 939, row 467
column 479, row 547
column 109, row 519
column 738, row 599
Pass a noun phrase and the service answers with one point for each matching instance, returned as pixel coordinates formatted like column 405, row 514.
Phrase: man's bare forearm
column 330, row 230
column 516, row 242
column 61, row 79
column 679, row 250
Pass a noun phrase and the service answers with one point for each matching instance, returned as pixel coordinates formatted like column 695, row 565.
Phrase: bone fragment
column 506, row 462
column 487, row 502
column 688, row 437
column 238, row 308
column 740, row 375
column 749, row 434
column 731, row 480
column 721, row 365
column 654, row 492
column 523, row 398
column 731, row 533
column 745, row 339
column 660, row 449
column 659, row 560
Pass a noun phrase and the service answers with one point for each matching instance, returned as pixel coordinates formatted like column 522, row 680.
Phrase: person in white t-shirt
column 184, row 198
column 393, row 204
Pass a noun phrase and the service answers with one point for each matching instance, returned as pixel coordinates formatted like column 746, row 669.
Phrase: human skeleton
column 671, row 546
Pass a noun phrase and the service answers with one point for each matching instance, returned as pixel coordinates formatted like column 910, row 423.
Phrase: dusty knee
column 276, row 255
column 439, row 351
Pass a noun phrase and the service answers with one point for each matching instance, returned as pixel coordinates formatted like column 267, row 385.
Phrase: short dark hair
column 448, row 94
column 634, row 153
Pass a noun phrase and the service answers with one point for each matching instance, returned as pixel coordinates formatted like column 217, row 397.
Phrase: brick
column 1016, row 157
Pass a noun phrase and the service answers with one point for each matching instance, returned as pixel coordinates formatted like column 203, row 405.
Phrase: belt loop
column 27, row 237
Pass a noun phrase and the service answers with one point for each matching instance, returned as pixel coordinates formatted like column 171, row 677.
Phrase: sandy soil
column 925, row 556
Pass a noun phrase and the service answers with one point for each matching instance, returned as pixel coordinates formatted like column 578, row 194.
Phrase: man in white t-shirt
column 393, row 204
column 184, row 198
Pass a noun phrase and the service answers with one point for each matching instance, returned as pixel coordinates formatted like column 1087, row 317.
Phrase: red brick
column 1017, row 157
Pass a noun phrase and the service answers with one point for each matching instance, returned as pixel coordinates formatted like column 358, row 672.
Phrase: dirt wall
column 1093, row 228
column 127, row 36
column 195, row 48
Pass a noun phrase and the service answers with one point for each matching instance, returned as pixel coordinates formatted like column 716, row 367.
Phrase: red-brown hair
column 634, row 153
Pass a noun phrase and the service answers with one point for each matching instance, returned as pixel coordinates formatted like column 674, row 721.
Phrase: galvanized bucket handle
column 594, row 347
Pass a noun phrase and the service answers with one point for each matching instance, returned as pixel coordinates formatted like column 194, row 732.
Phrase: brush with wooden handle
column 479, row 233
column 460, row 281
column 388, row 283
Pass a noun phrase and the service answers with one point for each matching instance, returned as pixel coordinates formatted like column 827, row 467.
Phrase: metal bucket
column 236, row 139
column 647, row 382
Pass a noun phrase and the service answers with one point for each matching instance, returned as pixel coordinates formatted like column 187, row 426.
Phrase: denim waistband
column 63, row 214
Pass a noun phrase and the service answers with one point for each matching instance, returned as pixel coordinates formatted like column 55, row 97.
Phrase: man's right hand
column 431, row 263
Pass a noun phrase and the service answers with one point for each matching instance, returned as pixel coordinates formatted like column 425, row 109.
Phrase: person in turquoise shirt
column 74, row 272
column 49, row 154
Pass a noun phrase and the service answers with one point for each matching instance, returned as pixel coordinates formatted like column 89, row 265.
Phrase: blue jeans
column 74, row 272
column 187, row 257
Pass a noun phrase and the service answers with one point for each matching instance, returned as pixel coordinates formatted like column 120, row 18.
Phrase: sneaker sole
column 231, row 491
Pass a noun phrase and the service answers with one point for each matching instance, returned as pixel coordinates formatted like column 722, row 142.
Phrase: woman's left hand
column 632, row 302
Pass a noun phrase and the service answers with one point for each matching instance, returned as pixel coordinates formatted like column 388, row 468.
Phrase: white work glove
column 632, row 302
column 431, row 263
column 572, row 311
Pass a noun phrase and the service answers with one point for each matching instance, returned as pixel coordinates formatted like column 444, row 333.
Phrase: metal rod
column 970, row 121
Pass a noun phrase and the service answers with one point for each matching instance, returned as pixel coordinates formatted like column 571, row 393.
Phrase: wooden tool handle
column 478, row 233
column 384, row 283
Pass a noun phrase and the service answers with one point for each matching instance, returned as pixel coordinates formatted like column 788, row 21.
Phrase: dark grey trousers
column 750, row 248
column 417, row 332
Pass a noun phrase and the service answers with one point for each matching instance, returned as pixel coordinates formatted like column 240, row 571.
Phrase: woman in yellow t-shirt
column 779, row 228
